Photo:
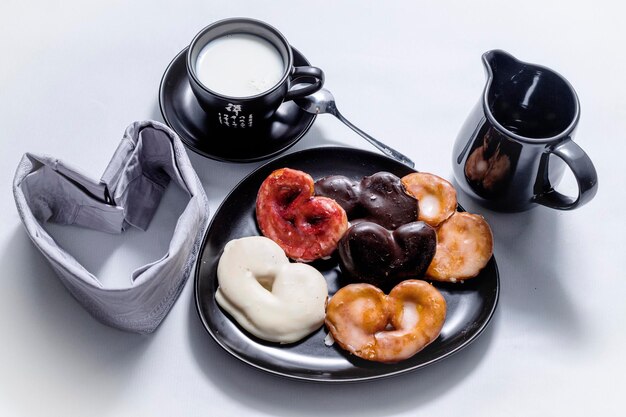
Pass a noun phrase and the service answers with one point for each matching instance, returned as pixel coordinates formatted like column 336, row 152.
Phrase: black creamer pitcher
column 502, row 154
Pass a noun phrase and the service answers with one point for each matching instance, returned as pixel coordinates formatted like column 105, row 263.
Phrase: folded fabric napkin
column 149, row 156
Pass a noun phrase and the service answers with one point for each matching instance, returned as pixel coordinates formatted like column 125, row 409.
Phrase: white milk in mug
column 239, row 65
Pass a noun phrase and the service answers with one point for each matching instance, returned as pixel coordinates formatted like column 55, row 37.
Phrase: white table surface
column 74, row 74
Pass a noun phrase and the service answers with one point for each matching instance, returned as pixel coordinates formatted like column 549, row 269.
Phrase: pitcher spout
column 500, row 64
column 527, row 101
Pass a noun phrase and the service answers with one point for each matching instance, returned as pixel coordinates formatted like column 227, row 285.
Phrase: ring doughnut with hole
column 268, row 296
column 386, row 328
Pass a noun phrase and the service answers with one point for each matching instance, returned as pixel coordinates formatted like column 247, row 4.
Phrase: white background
column 74, row 74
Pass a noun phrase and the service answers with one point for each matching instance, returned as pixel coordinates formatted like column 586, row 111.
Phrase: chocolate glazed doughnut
column 379, row 198
column 386, row 244
column 370, row 253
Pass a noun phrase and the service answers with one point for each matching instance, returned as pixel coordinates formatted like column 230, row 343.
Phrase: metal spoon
column 323, row 101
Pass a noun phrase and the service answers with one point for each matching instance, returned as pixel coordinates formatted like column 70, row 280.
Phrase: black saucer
column 182, row 113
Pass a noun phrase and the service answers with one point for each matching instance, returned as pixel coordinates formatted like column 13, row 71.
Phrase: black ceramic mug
column 502, row 155
column 249, row 112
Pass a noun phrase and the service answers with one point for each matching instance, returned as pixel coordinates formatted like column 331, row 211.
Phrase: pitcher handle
column 583, row 170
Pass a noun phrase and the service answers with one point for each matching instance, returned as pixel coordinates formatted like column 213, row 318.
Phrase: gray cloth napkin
column 148, row 157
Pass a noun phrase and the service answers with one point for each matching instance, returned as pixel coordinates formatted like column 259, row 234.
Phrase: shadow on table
column 50, row 342
column 75, row 344
column 280, row 396
column 155, row 114
column 313, row 138
column 219, row 178
column 527, row 248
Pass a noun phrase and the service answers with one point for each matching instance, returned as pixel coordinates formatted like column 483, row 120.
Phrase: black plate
column 470, row 304
column 182, row 113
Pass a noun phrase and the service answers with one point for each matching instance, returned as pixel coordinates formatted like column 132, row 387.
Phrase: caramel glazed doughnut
column 435, row 196
column 464, row 240
column 386, row 328
column 464, row 247
column 268, row 296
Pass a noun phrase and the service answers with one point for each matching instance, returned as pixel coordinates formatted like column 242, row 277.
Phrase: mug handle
column 583, row 170
column 308, row 72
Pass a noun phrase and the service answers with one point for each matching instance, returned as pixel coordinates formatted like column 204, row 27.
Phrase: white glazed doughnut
column 270, row 297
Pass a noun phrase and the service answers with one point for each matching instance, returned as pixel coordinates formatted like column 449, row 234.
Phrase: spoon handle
column 384, row 148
